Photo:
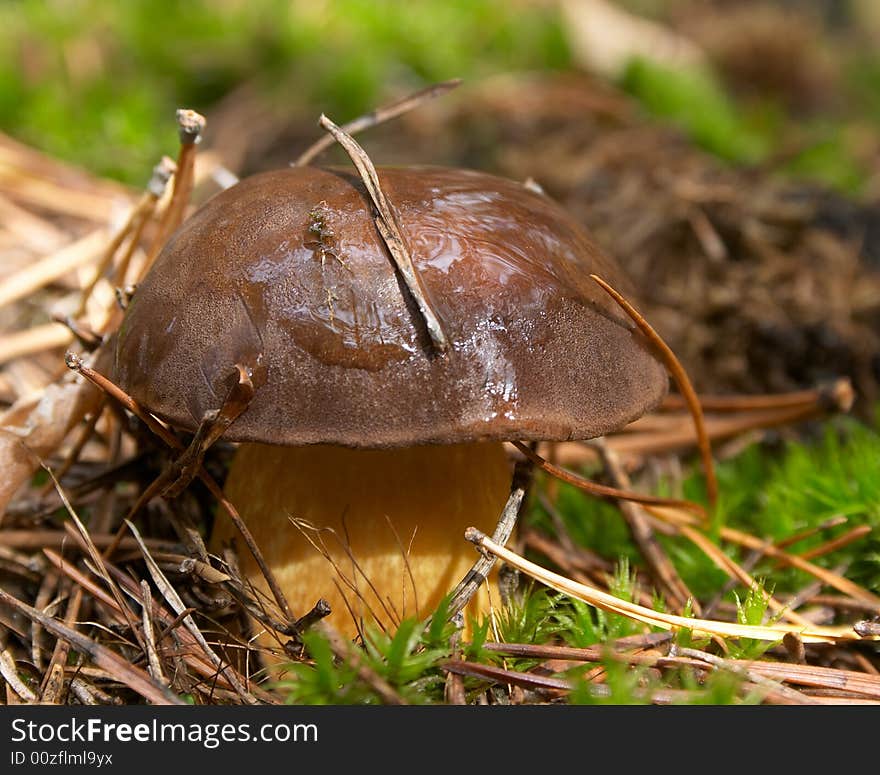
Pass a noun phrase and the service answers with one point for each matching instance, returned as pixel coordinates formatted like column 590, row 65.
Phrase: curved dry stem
column 673, row 365
column 118, row 667
column 315, row 536
column 603, row 491
column 138, row 214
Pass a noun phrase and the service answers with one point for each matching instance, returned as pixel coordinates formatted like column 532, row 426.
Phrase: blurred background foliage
column 97, row 82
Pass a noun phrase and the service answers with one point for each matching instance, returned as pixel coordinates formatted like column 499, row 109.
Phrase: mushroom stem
column 376, row 533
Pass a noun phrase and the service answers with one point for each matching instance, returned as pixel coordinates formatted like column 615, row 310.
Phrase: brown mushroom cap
column 286, row 274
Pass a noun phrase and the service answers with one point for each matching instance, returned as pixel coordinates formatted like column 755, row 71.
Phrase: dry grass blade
column 46, row 336
column 681, row 379
column 826, row 576
column 155, row 665
column 738, row 573
column 84, row 583
column 378, row 116
column 52, row 685
column 192, row 656
column 118, row 667
column 83, row 535
column 614, row 604
column 50, row 268
column 45, row 600
column 389, row 229
column 170, row 594
column 367, row 598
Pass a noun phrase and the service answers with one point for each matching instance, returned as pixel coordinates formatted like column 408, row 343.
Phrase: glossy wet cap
column 286, row 274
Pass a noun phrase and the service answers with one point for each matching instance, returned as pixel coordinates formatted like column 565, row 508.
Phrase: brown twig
column 834, row 521
column 138, row 215
column 602, row 490
column 606, row 601
column 466, row 588
column 119, row 395
column 214, row 424
column 856, row 534
column 837, row 395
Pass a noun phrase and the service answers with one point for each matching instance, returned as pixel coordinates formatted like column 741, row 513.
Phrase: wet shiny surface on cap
column 286, row 274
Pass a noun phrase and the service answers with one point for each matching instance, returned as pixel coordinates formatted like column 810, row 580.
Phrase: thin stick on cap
column 390, row 232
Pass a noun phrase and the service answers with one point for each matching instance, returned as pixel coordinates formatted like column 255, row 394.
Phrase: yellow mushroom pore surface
column 377, row 533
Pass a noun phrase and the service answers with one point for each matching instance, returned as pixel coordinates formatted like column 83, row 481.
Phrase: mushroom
column 363, row 444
